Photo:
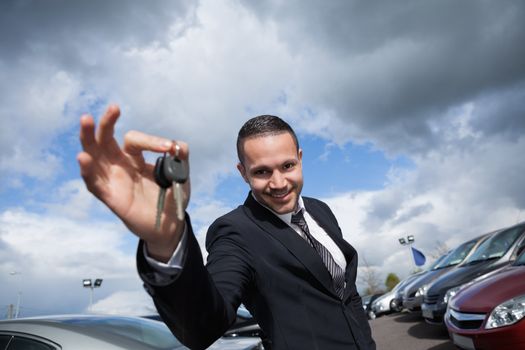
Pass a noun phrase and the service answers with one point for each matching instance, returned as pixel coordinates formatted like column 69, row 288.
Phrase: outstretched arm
column 121, row 179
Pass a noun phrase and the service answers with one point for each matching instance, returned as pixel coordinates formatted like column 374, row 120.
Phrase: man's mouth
column 280, row 194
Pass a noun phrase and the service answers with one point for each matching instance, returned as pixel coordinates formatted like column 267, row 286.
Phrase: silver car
column 89, row 332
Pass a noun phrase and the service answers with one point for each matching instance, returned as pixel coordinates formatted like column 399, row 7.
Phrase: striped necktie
column 337, row 273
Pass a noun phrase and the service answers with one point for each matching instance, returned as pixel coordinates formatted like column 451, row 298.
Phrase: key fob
column 175, row 170
column 159, row 174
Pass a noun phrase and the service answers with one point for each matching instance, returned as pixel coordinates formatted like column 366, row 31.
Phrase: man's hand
column 123, row 180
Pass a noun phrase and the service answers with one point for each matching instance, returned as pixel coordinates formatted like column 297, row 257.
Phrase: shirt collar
column 287, row 217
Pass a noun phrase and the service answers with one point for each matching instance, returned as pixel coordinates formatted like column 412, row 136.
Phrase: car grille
column 466, row 321
column 431, row 299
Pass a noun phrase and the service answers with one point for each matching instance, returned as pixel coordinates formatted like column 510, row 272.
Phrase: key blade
column 160, row 207
column 178, row 196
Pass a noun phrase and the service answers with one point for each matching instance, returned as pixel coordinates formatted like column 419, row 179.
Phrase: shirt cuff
column 167, row 271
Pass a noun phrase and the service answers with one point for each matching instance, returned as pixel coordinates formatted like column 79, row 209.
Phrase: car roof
column 94, row 332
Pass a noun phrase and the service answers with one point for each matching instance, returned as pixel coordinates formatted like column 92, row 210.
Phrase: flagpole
column 412, row 257
column 408, row 242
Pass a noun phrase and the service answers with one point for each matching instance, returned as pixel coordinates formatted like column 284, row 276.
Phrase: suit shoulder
column 314, row 202
column 231, row 218
column 228, row 224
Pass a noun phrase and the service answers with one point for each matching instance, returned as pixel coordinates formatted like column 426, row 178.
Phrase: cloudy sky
column 411, row 116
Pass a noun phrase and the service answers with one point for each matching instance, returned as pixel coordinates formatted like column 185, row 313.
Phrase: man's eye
column 260, row 172
column 289, row 166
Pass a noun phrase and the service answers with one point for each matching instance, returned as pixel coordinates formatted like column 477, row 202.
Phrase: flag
column 419, row 258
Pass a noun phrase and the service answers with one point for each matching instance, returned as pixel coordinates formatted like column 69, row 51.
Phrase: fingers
column 107, row 125
column 135, row 142
column 180, row 149
column 87, row 131
column 85, row 162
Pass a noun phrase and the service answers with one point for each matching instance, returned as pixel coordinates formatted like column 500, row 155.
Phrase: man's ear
column 242, row 170
column 300, row 154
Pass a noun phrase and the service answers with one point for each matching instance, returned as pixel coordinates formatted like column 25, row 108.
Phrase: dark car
column 89, row 332
column 497, row 251
column 400, row 292
column 367, row 305
column 413, row 293
column 244, row 326
column 490, row 314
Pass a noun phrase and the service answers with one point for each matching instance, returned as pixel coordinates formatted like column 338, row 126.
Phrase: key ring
column 177, row 149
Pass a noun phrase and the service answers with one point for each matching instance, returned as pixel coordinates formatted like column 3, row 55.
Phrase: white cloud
column 382, row 74
column 53, row 254
column 130, row 303
column 447, row 199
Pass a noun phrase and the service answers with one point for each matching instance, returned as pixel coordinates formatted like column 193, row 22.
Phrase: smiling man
column 280, row 254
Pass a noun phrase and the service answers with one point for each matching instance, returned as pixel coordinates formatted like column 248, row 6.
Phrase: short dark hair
column 263, row 125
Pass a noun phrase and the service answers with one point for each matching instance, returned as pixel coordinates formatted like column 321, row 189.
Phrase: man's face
column 273, row 169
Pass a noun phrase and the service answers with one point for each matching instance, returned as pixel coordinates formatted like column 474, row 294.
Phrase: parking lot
column 408, row 331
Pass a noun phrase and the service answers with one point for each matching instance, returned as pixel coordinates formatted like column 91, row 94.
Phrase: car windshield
column 457, row 255
column 497, row 245
column 152, row 333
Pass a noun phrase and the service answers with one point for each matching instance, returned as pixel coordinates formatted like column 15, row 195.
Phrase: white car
column 89, row 332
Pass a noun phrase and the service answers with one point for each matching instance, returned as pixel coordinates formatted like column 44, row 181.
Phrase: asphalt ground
column 409, row 331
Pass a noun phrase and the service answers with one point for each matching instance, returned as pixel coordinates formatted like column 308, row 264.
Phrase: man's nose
column 278, row 180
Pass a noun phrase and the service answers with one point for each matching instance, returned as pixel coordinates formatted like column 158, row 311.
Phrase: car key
column 170, row 171
column 176, row 170
column 164, row 184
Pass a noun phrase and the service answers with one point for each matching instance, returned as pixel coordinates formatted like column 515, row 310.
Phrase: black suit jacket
column 258, row 260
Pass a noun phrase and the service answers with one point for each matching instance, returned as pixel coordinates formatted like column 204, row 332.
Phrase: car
column 413, row 293
column 101, row 332
column 497, row 251
column 386, row 303
column 367, row 305
column 490, row 313
column 397, row 302
column 398, row 298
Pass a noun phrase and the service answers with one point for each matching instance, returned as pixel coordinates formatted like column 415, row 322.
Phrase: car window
column 497, row 245
column 19, row 343
column 155, row 334
column 4, row 340
column 521, row 259
column 457, row 255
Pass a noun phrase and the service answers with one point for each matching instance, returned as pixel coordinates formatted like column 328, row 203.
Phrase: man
column 281, row 255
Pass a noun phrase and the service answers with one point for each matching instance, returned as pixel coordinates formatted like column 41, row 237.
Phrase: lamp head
column 98, row 282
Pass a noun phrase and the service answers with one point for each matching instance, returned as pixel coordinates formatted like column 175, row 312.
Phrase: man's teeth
column 279, row 195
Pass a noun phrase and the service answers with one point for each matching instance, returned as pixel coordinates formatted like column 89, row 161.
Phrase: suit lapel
column 297, row 246
column 329, row 225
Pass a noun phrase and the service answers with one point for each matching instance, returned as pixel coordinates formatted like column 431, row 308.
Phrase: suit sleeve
column 200, row 303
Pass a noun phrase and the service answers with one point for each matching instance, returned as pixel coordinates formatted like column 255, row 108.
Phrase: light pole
column 19, row 295
column 87, row 283
column 408, row 241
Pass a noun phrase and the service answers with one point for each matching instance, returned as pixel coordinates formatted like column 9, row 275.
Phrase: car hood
column 485, row 295
column 463, row 274
column 427, row 278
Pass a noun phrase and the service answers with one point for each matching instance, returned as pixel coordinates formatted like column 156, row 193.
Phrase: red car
column 490, row 313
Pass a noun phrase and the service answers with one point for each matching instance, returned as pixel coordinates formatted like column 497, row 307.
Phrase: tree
column 370, row 278
column 391, row 281
column 440, row 249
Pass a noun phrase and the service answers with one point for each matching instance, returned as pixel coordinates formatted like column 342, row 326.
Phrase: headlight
column 422, row 291
column 450, row 293
column 507, row 313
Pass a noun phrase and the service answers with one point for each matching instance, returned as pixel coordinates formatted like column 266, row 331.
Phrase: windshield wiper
column 480, row 260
